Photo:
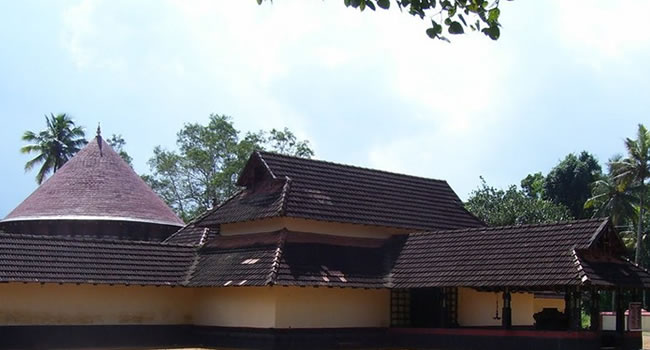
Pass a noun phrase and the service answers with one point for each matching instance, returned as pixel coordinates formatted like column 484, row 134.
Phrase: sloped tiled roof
column 544, row 256
column 192, row 235
column 27, row 258
column 511, row 256
column 612, row 272
column 291, row 259
column 280, row 185
column 95, row 184
column 262, row 201
column 237, row 261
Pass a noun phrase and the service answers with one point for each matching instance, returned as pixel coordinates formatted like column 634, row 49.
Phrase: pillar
column 572, row 308
column 444, row 311
column 506, row 313
column 620, row 311
column 595, row 310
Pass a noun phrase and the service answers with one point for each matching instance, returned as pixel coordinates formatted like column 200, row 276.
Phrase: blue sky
column 365, row 88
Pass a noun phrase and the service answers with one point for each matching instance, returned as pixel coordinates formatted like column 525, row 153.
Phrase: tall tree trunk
column 639, row 232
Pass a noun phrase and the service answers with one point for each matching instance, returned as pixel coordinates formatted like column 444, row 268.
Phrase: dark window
column 400, row 308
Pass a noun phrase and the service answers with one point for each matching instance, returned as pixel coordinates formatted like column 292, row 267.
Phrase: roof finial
column 99, row 139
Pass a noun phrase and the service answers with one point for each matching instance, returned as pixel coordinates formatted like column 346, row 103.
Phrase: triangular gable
column 606, row 241
column 255, row 170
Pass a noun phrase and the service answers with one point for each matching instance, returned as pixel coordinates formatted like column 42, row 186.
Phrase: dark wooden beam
column 620, row 310
column 595, row 310
column 506, row 313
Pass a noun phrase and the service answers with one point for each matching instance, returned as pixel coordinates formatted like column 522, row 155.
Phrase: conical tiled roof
column 96, row 184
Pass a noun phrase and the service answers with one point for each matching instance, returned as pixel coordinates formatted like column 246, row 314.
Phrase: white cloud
column 597, row 31
column 453, row 91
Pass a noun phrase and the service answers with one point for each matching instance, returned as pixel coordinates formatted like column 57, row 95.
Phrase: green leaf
column 347, row 3
column 493, row 32
column 431, row 32
column 493, row 15
column 371, row 5
column 385, row 4
column 462, row 19
column 456, row 28
column 362, row 5
column 259, row 2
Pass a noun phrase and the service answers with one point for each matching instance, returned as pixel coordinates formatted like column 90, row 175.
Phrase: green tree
column 60, row 140
column 203, row 172
column 446, row 16
column 634, row 172
column 533, row 185
column 498, row 207
column 569, row 182
column 117, row 143
column 610, row 199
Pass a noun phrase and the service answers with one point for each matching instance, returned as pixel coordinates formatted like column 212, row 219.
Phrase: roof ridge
column 265, row 164
column 580, row 270
column 273, row 274
column 78, row 239
column 195, row 261
column 261, row 152
column 285, row 193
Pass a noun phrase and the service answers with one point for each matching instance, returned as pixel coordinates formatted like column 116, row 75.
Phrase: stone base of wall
column 174, row 336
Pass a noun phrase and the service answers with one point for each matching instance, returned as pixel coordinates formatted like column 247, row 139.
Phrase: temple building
column 307, row 255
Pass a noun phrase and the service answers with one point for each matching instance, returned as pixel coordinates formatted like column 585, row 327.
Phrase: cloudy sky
column 368, row 88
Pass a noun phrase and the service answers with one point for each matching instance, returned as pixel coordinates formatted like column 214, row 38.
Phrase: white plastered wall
column 480, row 308
column 70, row 304
column 332, row 307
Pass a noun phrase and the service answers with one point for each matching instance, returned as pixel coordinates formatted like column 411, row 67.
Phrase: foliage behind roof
column 96, row 184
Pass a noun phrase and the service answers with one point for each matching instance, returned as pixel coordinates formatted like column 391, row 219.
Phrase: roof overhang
column 89, row 218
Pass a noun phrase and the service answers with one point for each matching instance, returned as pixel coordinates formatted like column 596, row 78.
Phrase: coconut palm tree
column 634, row 171
column 609, row 199
column 61, row 140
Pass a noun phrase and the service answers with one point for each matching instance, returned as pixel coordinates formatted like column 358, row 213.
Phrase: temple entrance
column 424, row 307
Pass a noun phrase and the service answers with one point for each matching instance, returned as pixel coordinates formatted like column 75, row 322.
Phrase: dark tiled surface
column 537, row 256
column 311, row 264
column 327, row 191
column 291, row 259
column 96, row 182
column 192, row 235
column 611, row 272
column 244, row 260
column 264, row 200
column 517, row 256
column 25, row 258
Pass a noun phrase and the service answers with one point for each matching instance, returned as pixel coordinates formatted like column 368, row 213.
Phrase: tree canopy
column 497, row 207
column 203, row 171
column 116, row 141
column 569, row 182
column 59, row 141
column 448, row 17
column 633, row 173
